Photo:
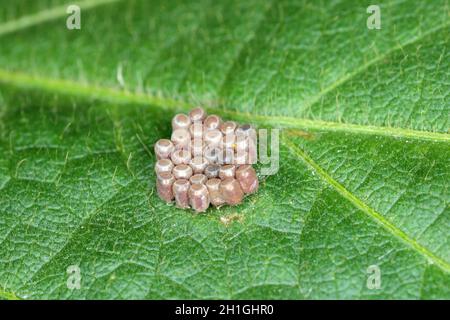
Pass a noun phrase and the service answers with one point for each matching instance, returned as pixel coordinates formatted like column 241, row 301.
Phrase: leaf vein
column 68, row 87
column 376, row 216
column 336, row 84
column 84, row 220
column 45, row 16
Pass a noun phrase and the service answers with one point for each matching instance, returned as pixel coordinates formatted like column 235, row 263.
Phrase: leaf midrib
column 78, row 89
column 69, row 87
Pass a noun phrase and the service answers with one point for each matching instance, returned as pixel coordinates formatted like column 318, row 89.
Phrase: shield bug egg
column 181, row 157
column 163, row 148
column 199, row 197
column 212, row 171
column 198, row 179
column 182, row 171
column 197, row 114
column 215, row 196
column 180, row 190
column 212, row 122
column 163, row 165
column 231, row 191
column 247, row 178
column 181, row 138
column 164, row 186
column 181, row 121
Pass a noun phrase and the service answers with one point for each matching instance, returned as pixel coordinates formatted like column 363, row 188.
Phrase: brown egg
column 215, row 196
column 164, row 184
column 197, row 115
column 212, row 171
column 163, row 165
column 199, row 197
column 181, row 157
column 180, row 190
column 227, row 171
column 181, row 121
column 163, row 148
column 212, row 122
column 213, row 138
column 212, row 154
column 198, row 179
column 246, row 130
column 198, row 164
column 182, row 171
column 181, row 138
column 228, row 127
column 231, row 191
column 247, row 178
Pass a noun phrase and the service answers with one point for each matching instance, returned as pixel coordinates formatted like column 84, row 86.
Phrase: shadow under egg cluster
column 206, row 161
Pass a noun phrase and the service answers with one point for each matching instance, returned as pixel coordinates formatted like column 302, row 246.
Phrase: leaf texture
column 364, row 155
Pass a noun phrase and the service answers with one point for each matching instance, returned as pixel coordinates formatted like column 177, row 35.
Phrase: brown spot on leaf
column 227, row 220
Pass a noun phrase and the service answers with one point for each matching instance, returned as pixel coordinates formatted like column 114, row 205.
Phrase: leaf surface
column 364, row 155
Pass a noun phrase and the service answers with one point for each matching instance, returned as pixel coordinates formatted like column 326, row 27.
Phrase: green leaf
column 364, row 155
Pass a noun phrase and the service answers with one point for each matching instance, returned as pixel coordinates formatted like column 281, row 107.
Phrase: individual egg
column 247, row 178
column 198, row 164
column 246, row 130
column 181, row 121
column 182, row 171
column 212, row 154
column 228, row 127
column 163, row 148
column 196, row 130
column 197, row 147
column 181, row 138
column 213, row 138
column 227, row 171
column 164, row 186
column 215, row 196
column 163, row 165
column 226, row 156
column 198, row 179
column 180, row 189
column 231, row 191
column 212, row 122
column 212, row 171
column 199, row 197
column 197, row 114
column 181, row 157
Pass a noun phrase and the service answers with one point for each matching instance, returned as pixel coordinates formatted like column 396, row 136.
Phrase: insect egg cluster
column 206, row 161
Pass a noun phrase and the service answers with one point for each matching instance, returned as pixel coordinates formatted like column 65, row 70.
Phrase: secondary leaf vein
column 379, row 218
column 46, row 15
